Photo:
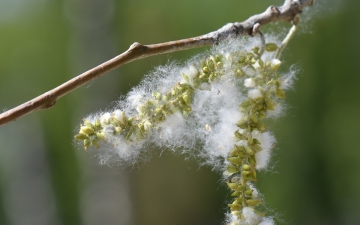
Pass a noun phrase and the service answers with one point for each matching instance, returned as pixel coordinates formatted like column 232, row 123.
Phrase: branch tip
column 289, row 11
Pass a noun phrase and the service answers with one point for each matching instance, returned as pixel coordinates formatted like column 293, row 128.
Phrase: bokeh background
column 45, row 179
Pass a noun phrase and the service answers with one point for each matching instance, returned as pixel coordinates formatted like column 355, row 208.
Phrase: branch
column 287, row 12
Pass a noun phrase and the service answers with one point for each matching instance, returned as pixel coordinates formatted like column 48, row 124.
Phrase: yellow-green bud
column 100, row 136
column 269, row 104
column 235, row 207
column 280, row 93
column 232, row 169
column 87, row 123
column 249, row 192
column 81, row 136
column 252, row 162
column 239, row 135
column 246, row 167
column 239, row 200
column 87, row 144
column 233, row 186
column 253, row 202
column 87, row 130
column 271, row 47
column 95, row 143
column 249, row 151
column 235, row 193
column 245, row 173
column 186, row 98
column 235, row 160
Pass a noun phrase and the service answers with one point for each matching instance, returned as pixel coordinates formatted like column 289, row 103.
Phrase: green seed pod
column 232, row 169
column 256, row 141
column 239, row 200
column 97, row 124
column 130, row 121
column 95, row 143
column 252, row 162
column 246, row 167
column 86, row 144
column 243, row 124
column 186, row 98
column 87, row 123
column 249, row 151
column 253, row 202
column 280, row 93
column 249, row 192
column 235, row 160
column 253, row 174
column 87, row 130
column 101, row 136
column 239, row 136
column 261, row 63
column 240, row 147
column 81, row 136
column 235, row 193
column 250, row 140
column 269, row 104
column 271, row 47
column 245, row 173
column 233, row 186
column 256, row 148
column 235, row 207
column 234, row 152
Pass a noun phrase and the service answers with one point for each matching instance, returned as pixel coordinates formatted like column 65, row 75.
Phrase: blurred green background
column 45, row 179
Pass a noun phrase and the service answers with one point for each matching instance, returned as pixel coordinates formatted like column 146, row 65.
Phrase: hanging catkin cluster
column 217, row 102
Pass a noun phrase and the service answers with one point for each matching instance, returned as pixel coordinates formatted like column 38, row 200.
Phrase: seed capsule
column 280, row 93
column 235, row 207
column 235, row 160
column 81, row 136
column 249, row 192
column 232, row 169
column 246, row 167
column 271, row 47
column 249, row 151
column 253, row 202
column 233, row 186
column 95, row 143
column 239, row 135
column 87, row 130
column 86, row 144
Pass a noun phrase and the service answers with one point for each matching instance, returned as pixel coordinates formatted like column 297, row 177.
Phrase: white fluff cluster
column 212, row 110
column 209, row 127
column 250, row 218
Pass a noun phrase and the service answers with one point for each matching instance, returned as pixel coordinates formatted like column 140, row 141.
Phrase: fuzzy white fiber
column 267, row 142
column 215, row 106
column 267, row 221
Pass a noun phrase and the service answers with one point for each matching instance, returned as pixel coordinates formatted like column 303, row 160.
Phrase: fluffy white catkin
column 214, row 103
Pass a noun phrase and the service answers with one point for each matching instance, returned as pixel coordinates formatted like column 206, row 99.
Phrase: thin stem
column 287, row 12
column 286, row 41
